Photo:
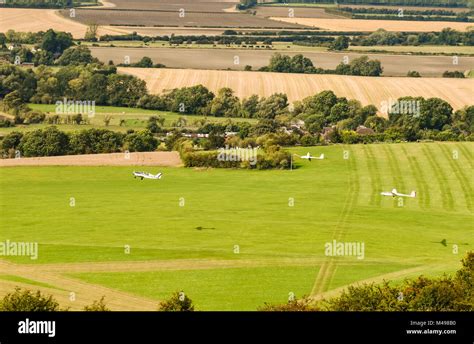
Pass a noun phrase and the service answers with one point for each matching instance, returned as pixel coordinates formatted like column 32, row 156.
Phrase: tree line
column 53, row 142
column 431, row 118
column 299, row 64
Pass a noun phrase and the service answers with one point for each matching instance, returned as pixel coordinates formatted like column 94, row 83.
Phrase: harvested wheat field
column 373, row 25
column 393, row 65
column 113, row 159
column 173, row 18
column 295, row 11
column 172, row 5
column 368, row 90
column 34, row 20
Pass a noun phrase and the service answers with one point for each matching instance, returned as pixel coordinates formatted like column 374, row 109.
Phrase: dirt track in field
column 113, row 159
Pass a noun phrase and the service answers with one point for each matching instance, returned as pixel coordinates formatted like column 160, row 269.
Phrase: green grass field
column 134, row 119
column 230, row 237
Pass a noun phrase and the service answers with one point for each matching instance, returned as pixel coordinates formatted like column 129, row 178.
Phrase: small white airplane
column 146, row 175
column 395, row 193
column 309, row 157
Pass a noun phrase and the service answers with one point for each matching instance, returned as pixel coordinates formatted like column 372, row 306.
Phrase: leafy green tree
column 43, row 57
column 338, row 112
column 145, row 62
column 361, row 66
column 191, row 100
column 178, row 302
column 3, row 40
column 97, row 306
column 13, row 103
column 340, row 43
column 14, row 78
column 124, row 90
column 56, row 42
column 11, row 140
column 320, row 103
column 225, row 104
column 44, row 142
column 280, row 63
column 153, row 125
column 272, row 106
column 141, row 141
column 24, row 300
column 265, row 126
column 250, row 106
column 435, row 113
column 80, row 55
column 463, row 119
column 413, row 74
column 377, row 123
column 301, row 64
column 95, row 141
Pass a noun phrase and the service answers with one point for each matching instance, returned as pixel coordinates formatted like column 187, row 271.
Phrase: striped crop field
column 368, row 90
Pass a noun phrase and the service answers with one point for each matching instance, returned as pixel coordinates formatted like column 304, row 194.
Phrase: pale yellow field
column 373, row 25
column 34, row 20
column 368, row 90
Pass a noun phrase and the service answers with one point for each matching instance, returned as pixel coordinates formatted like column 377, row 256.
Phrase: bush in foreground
column 23, row 300
column 178, row 302
column 446, row 293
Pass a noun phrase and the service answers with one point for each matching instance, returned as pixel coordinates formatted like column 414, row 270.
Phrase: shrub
column 178, row 302
column 27, row 301
column 97, row 306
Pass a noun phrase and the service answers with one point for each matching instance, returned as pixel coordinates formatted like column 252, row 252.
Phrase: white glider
column 309, row 157
column 394, row 193
column 146, row 175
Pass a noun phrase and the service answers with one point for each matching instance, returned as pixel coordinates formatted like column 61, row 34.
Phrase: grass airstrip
column 235, row 239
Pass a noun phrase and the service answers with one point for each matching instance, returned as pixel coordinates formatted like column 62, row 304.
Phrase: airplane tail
column 321, row 156
column 158, row 176
column 413, row 194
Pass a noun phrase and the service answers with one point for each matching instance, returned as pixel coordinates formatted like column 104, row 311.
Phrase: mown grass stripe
column 467, row 154
column 447, row 197
column 424, row 194
column 461, row 177
column 329, row 267
column 376, row 183
column 394, row 168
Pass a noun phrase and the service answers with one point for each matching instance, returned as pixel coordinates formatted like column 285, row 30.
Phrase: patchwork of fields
column 229, row 238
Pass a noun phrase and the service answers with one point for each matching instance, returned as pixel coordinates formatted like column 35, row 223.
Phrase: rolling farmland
column 281, row 247
column 175, row 5
column 34, row 20
column 224, row 59
column 368, row 90
column 173, row 18
column 232, row 238
column 374, row 25
column 296, row 11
